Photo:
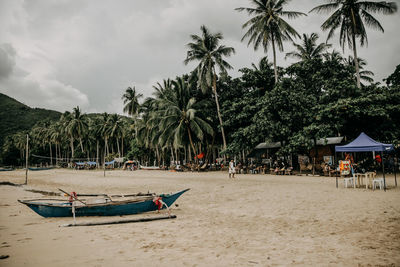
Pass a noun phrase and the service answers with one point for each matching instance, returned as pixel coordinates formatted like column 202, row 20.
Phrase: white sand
column 256, row 220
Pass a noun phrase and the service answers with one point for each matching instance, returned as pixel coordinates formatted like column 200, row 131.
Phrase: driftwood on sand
column 121, row 221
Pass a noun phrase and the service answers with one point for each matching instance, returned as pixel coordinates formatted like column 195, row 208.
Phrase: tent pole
column 383, row 170
column 336, row 174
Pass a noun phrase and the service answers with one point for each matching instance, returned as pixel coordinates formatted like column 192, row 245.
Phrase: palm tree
column 365, row 75
column 131, row 102
column 76, row 128
column 267, row 27
column 309, row 49
column 352, row 16
column 116, row 129
column 333, row 56
column 179, row 117
column 210, row 54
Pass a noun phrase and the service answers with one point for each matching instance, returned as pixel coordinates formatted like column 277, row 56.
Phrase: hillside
column 15, row 116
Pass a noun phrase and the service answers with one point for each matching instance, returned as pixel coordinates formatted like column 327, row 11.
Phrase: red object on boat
column 158, row 202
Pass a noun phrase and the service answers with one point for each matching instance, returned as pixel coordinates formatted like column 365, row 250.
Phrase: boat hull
column 111, row 209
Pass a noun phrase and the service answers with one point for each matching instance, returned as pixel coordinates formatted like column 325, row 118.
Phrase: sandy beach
column 255, row 220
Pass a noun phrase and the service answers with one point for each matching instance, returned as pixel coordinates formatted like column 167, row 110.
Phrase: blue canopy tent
column 364, row 143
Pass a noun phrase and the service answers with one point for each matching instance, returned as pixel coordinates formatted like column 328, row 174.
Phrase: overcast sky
column 58, row 54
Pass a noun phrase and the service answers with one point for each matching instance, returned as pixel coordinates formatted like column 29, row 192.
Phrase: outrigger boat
column 103, row 206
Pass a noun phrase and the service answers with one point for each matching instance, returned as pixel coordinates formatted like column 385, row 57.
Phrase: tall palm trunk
column 191, row 143
column 119, row 151
column 72, row 148
column 51, row 155
column 172, row 154
column 274, row 54
column 189, row 154
column 218, row 109
column 158, row 156
column 122, row 146
column 353, row 37
column 80, row 142
column 106, row 152
column 97, row 153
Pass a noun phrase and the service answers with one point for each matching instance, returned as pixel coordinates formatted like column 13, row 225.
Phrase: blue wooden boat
column 6, row 169
column 106, row 206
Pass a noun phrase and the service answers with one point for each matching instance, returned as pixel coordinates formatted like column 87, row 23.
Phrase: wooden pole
column 26, row 159
column 122, row 221
column 383, row 170
column 336, row 174
column 394, row 170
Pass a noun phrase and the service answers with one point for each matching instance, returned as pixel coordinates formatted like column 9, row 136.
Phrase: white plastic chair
column 376, row 182
column 349, row 180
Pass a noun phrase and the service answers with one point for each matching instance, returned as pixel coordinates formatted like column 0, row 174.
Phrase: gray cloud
column 7, row 60
column 87, row 52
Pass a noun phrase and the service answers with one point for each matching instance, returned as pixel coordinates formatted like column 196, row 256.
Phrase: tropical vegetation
column 206, row 114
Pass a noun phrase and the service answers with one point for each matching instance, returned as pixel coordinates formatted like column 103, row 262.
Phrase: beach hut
column 364, row 143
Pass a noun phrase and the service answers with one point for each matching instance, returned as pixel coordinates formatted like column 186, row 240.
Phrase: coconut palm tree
column 333, row 56
column 180, row 119
column 77, row 127
column 352, row 16
column 365, row 75
column 308, row 49
column 116, row 129
column 267, row 26
column 210, row 54
column 105, row 131
column 131, row 102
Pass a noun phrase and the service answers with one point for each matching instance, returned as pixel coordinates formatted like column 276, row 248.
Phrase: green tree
column 179, row 117
column 210, row 54
column 365, row 75
column 76, row 128
column 131, row 102
column 267, row 26
column 309, row 49
column 352, row 16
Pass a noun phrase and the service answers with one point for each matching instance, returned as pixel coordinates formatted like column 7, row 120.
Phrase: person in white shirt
column 232, row 170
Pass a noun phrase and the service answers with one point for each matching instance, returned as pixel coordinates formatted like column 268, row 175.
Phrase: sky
column 59, row 54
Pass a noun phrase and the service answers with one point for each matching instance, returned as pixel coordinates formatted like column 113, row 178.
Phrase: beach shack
column 313, row 160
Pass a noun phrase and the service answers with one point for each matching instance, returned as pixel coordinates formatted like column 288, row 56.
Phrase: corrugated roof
column 320, row 142
column 268, row 145
column 330, row 141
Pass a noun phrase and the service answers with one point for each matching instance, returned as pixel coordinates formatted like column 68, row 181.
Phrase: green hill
column 15, row 116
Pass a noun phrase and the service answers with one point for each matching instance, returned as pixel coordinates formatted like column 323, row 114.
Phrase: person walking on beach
column 231, row 169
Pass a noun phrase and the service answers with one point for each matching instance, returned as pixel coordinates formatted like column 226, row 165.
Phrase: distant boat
column 106, row 206
column 6, row 169
column 149, row 167
column 40, row 168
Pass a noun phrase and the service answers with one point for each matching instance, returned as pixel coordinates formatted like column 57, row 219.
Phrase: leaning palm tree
column 267, row 26
column 308, row 49
column 352, row 16
column 207, row 50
